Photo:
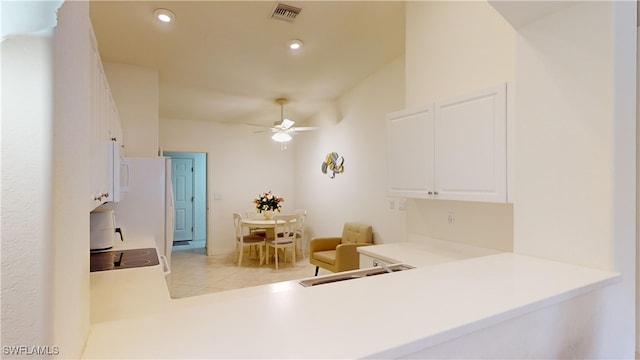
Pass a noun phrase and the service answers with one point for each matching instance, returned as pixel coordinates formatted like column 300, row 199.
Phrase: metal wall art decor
column 333, row 164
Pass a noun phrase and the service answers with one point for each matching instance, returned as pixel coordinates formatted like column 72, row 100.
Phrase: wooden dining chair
column 286, row 238
column 253, row 214
column 300, row 221
column 246, row 240
column 301, row 217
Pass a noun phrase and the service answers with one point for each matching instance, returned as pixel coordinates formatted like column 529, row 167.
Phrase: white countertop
column 126, row 293
column 385, row 316
column 423, row 251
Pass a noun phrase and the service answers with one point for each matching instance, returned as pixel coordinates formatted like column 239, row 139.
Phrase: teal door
column 182, row 179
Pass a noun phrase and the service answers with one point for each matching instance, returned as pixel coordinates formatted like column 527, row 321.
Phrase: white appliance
column 148, row 208
column 103, row 230
column 119, row 175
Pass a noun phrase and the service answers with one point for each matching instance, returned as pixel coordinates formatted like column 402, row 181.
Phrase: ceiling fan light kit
column 281, row 137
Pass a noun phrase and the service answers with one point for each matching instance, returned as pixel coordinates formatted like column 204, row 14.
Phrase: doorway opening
column 189, row 181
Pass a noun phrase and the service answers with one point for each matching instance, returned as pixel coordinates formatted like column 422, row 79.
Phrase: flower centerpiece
column 268, row 203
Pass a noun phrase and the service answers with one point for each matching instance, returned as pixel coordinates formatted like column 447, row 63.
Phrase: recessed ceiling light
column 164, row 15
column 294, row 44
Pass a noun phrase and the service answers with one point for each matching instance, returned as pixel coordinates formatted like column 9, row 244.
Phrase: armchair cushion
column 340, row 254
column 357, row 233
column 327, row 256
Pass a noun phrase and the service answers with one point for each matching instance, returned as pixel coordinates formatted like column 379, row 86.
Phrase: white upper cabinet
column 471, row 146
column 105, row 128
column 454, row 149
column 115, row 125
column 410, row 162
column 99, row 132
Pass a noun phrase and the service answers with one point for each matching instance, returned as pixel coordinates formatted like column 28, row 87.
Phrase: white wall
column 27, row 113
column 453, row 48
column 576, row 194
column 478, row 224
column 135, row 92
column 241, row 164
column 356, row 129
column 72, row 178
column 45, row 186
column 564, row 136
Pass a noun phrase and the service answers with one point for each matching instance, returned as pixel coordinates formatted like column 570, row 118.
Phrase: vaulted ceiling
column 226, row 61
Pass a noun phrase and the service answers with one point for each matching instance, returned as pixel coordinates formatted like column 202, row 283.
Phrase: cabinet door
column 470, row 147
column 366, row 261
column 96, row 105
column 114, row 122
column 115, row 125
column 410, row 152
column 100, row 99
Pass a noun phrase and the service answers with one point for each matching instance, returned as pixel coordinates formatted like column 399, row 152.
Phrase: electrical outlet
column 451, row 219
column 402, row 204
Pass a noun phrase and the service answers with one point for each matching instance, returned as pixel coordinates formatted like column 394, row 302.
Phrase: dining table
column 268, row 225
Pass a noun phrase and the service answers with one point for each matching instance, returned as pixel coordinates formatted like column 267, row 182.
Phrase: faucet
column 382, row 265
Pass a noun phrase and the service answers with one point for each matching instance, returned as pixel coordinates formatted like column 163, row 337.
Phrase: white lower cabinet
column 366, row 261
column 454, row 149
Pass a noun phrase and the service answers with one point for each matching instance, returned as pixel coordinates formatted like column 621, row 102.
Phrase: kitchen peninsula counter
column 393, row 315
column 126, row 293
column 422, row 251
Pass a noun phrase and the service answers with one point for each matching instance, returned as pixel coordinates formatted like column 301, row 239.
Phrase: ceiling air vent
column 285, row 12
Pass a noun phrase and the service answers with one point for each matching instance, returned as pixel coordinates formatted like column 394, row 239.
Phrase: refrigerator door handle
column 125, row 175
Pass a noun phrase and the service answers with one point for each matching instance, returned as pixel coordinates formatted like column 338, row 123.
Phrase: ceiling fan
column 283, row 129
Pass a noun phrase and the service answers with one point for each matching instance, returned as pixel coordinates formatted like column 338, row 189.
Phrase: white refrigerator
column 146, row 209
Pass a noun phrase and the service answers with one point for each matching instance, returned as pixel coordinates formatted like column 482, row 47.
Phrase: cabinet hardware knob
column 435, row 193
column 430, row 193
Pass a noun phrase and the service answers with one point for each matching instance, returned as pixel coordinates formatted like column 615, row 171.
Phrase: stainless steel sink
column 351, row 275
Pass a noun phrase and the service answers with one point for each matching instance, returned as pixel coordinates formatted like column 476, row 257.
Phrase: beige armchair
column 339, row 253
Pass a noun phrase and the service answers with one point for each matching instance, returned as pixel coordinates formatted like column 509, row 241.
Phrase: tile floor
column 194, row 273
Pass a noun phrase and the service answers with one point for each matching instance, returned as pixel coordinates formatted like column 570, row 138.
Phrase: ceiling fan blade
column 305, row 128
column 286, row 123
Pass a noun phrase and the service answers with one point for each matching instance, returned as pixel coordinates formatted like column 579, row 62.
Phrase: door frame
column 200, row 184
